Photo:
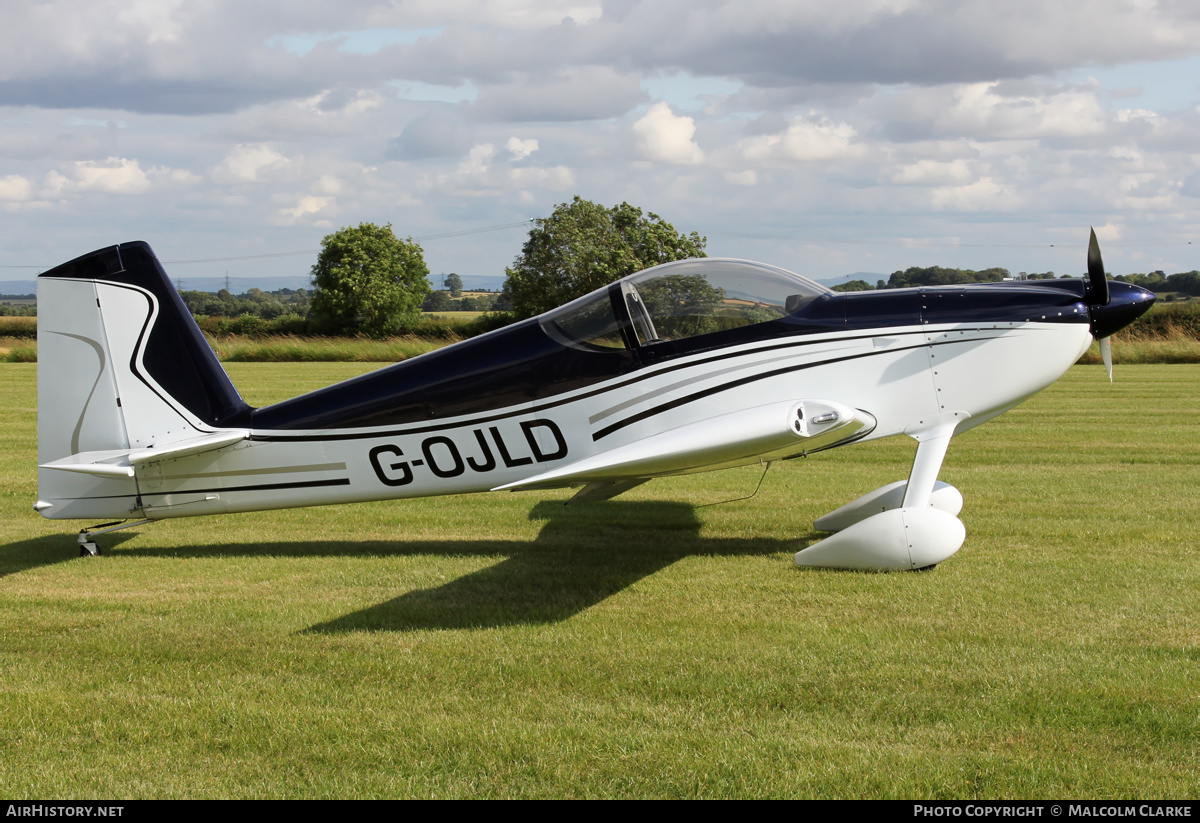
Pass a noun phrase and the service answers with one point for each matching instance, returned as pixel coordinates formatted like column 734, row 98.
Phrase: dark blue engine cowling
column 1010, row 302
column 1126, row 303
column 1049, row 301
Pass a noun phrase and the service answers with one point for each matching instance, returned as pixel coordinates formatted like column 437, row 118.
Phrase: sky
column 826, row 138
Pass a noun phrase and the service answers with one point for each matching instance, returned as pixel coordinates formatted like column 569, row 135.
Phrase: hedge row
column 1166, row 321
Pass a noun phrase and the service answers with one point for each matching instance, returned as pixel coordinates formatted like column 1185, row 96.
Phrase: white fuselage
column 906, row 378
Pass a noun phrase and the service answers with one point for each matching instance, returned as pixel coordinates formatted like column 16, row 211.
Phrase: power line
column 440, row 236
column 522, row 224
column 923, row 244
column 939, row 245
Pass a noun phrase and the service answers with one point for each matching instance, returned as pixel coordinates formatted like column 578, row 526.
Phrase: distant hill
column 869, row 276
column 241, row 285
column 237, row 285
column 18, row 286
column 472, row 282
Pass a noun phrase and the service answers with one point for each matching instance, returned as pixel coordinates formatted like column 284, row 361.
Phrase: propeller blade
column 1098, row 293
column 1106, row 355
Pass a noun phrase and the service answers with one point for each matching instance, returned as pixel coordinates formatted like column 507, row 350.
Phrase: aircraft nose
column 1127, row 303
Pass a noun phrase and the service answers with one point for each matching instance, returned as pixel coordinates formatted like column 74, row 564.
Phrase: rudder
column 122, row 366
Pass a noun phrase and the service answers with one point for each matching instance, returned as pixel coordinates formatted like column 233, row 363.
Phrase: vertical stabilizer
column 122, row 366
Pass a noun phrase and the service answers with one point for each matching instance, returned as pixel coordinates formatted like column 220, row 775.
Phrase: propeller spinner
column 1112, row 306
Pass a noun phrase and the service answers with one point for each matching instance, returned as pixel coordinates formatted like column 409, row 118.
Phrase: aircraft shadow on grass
column 582, row 556
column 49, row 550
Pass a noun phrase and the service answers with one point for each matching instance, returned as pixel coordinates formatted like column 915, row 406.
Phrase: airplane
column 688, row 366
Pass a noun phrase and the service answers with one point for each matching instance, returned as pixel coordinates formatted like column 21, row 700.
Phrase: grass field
column 291, row 349
column 654, row 646
column 456, row 316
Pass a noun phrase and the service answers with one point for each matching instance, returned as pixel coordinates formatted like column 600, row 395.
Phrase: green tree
column 682, row 305
column 454, row 284
column 583, row 246
column 438, row 301
column 854, row 285
column 938, row 276
column 368, row 281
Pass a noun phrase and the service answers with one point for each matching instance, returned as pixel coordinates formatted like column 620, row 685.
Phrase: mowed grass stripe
column 505, row 646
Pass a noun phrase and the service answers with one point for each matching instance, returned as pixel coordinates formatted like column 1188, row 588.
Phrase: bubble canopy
column 686, row 298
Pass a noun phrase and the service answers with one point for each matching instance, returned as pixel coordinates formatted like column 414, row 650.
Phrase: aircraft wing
column 763, row 433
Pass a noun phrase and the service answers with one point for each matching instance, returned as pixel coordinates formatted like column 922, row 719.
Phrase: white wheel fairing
column 895, row 540
column 944, row 497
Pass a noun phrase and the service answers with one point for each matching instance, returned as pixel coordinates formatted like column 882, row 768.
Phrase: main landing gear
column 904, row 526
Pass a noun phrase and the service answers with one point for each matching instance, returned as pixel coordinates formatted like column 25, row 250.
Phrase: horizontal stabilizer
column 123, row 463
column 186, row 448
column 100, row 464
column 767, row 432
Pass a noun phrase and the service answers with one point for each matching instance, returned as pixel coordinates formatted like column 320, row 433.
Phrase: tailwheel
column 88, row 546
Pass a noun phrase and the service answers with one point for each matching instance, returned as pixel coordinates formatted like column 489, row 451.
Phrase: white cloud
column 478, row 160
column 515, row 14
column 1129, row 115
column 181, row 177
column 805, row 139
column 481, row 168
column 440, row 132
column 574, row 92
column 746, row 177
column 250, row 163
column 156, row 20
column 663, row 136
column 520, row 149
column 329, row 104
column 998, row 111
column 305, row 205
column 985, row 194
column 558, row 178
column 932, row 173
column 117, row 175
column 327, row 184
column 15, row 187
